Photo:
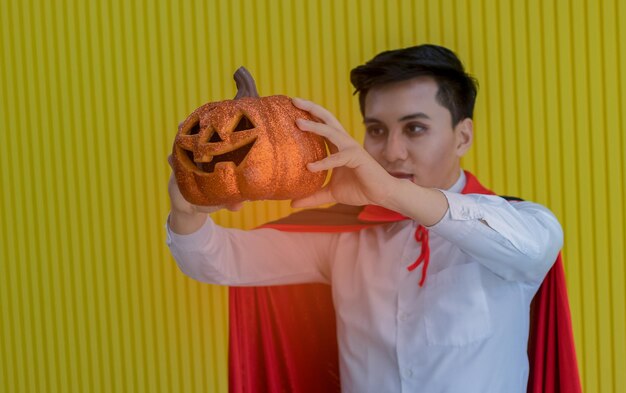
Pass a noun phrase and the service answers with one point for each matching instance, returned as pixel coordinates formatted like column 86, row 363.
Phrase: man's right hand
column 186, row 218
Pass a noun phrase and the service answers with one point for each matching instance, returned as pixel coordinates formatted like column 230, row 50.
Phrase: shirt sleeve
column 234, row 257
column 516, row 240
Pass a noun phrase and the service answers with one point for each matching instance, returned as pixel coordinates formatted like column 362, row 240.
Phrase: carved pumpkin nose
column 244, row 124
column 248, row 148
column 215, row 138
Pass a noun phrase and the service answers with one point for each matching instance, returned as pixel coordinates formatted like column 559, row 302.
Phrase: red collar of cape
column 282, row 338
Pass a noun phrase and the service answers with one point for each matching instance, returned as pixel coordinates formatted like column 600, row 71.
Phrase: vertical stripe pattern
column 90, row 97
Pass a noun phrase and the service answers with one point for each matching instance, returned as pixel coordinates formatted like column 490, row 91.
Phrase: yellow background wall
column 91, row 93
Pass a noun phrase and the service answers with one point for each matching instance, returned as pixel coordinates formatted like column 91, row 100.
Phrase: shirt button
column 403, row 316
column 408, row 373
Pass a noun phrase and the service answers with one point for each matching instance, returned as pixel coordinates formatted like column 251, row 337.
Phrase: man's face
column 411, row 135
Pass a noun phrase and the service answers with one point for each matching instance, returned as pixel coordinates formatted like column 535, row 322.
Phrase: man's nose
column 395, row 148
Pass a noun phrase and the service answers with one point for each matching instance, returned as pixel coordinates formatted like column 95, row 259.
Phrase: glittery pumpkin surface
column 246, row 149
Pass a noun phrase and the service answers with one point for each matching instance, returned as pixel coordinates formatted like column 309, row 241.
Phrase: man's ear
column 464, row 131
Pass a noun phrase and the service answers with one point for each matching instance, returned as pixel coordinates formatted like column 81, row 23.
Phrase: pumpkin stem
column 245, row 84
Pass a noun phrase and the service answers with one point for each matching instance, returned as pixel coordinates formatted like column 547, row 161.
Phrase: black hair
column 457, row 89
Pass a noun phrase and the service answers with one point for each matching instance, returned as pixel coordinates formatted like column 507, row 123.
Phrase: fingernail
column 297, row 101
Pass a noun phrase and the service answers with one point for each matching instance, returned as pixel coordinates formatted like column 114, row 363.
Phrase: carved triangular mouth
column 235, row 156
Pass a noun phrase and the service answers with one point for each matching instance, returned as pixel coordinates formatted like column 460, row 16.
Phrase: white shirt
column 465, row 330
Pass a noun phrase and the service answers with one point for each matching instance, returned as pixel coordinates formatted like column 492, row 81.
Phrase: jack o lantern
column 248, row 148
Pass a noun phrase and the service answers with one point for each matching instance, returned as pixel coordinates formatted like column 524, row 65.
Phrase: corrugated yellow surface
column 90, row 97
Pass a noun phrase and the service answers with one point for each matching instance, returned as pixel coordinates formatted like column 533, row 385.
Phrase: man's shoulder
column 511, row 198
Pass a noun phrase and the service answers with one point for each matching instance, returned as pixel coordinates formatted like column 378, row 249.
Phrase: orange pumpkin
column 248, row 148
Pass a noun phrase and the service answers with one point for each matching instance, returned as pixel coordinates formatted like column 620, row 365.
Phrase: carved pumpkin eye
column 244, row 124
column 195, row 129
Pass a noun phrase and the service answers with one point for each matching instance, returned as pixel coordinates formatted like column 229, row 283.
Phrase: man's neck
column 459, row 184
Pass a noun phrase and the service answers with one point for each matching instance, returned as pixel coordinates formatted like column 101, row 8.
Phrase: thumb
column 321, row 197
column 235, row 207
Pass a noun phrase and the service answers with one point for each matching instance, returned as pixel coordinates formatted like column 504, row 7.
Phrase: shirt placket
column 407, row 315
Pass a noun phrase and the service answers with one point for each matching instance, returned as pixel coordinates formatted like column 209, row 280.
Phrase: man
column 459, row 323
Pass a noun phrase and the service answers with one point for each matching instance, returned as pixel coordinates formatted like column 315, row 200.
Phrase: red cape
column 283, row 339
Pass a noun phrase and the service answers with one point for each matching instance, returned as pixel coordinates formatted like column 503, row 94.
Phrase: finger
column 333, row 161
column 318, row 111
column 340, row 139
column 172, row 185
column 321, row 197
column 206, row 209
column 234, row 207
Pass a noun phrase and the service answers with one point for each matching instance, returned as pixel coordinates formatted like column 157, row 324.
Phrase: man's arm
column 186, row 218
column 516, row 240
column 209, row 253
column 235, row 257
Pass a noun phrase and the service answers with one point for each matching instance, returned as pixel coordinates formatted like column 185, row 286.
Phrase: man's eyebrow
column 370, row 120
column 418, row 115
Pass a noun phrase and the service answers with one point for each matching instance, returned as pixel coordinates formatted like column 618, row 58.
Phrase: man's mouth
column 401, row 175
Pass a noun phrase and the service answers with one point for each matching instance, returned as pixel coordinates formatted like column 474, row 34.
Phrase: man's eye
column 375, row 131
column 415, row 129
